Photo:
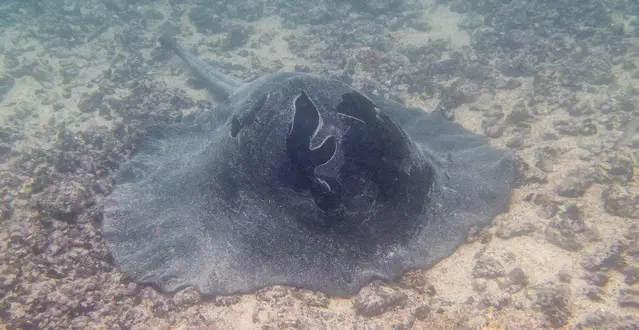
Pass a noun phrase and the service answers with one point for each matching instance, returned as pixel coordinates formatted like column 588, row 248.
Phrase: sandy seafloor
column 558, row 83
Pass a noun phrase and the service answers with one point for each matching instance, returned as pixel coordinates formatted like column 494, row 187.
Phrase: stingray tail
column 221, row 84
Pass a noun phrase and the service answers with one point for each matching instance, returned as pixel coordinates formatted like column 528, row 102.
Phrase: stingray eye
column 304, row 160
column 248, row 117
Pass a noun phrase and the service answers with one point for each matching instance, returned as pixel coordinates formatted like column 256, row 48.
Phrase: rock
column 629, row 298
column 599, row 319
column 593, row 293
column 515, row 281
column 6, row 211
column 272, row 294
column 312, row 299
column 567, row 127
column 531, row 174
column 618, row 167
column 619, row 201
column 516, row 141
column 430, row 290
column 547, row 208
column 631, row 274
column 596, row 278
column 587, row 127
column 568, row 229
column 479, row 284
column 236, row 37
column 414, row 279
column 553, row 300
column 494, row 131
column 564, row 239
column 186, row 298
column 204, row 20
column 64, row 201
column 519, row 114
column 225, row 301
column 422, row 312
column 477, row 233
column 494, row 298
column 92, row 102
column 375, row 299
column 517, row 276
column 547, row 157
column 633, row 246
column 131, row 289
column 564, row 276
column 488, row 267
column 182, row 102
column 514, row 229
column 605, row 257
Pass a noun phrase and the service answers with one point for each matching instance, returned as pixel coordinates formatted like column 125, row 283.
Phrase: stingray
column 300, row 180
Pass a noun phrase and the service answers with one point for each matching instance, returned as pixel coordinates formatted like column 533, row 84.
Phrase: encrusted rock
column 494, row 131
column 5, row 210
column 598, row 319
column 185, row 298
column 587, row 127
column 564, row 276
column 205, row 21
column 568, row 229
column 517, row 276
column 547, row 157
column 237, row 37
column 514, row 282
column 488, row 267
column 92, row 102
column 272, row 294
column 631, row 274
column 598, row 278
column 593, row 293
column 375, row 299
column 618, row 167
column 605, row 257
column 567, row 127
column 477, row 233
column 547, row 208
column 575, row 183
column 312, row 299
column 519, row 114
column 494, row 298
column 619, row 201
column 629, row 298
column 422, row 312
column 479, row 284
column 553, row 300
column 226, row 300
column 531, row 174
column 63, row 201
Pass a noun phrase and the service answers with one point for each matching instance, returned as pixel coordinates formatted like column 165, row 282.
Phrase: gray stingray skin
column 273, row 188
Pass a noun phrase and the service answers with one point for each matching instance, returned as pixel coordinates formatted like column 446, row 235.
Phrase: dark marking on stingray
column 304, row 160
column 304, row 181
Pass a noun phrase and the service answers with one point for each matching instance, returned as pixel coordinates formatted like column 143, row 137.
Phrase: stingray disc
column 301, row 180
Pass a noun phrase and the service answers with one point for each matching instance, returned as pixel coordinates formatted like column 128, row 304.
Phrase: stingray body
column 299, row 180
